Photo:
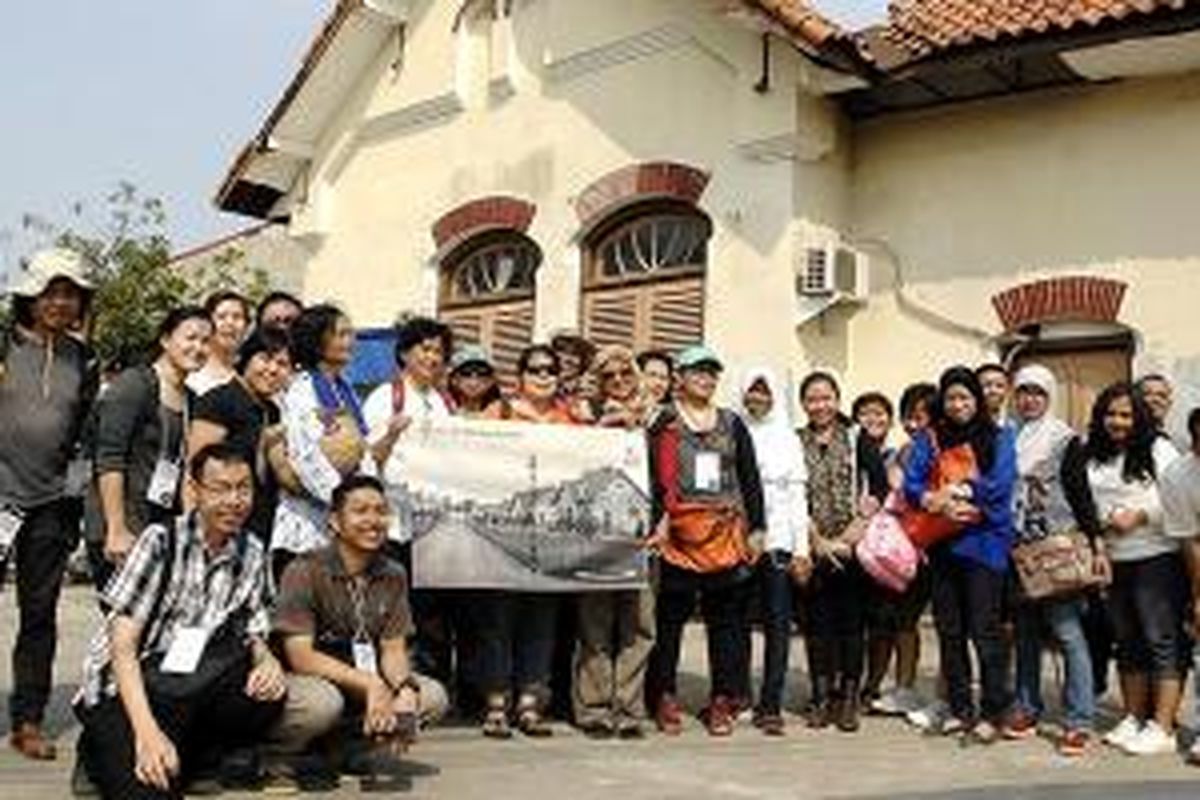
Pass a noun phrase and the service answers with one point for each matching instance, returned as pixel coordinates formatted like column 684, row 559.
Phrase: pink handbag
column 886, row 552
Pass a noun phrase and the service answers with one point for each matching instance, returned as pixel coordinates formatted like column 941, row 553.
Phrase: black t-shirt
column 233, row 408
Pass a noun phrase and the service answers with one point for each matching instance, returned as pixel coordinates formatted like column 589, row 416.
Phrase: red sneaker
column 1020, row 725
column 669, row 716
column 720, row 716
column 1074, row 743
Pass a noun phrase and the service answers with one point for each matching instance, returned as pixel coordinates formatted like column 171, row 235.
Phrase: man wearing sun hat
column 47, row 382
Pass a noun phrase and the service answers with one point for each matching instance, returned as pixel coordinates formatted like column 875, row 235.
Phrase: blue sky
column 161, row 93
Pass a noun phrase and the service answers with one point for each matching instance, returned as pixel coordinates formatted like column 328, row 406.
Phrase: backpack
column 886, row 553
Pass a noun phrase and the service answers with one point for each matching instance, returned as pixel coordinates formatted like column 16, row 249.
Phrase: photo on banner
column 525, row 507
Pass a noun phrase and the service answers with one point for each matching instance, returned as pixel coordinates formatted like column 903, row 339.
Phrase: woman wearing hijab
column 1149, row 593
column 785, row 554
column 847, row 483
column 616, row 629
column 969, row 569
column 1046, row 446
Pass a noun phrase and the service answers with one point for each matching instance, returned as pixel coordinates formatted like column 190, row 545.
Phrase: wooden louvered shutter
column 661, row 315
column 503, row 329
column 676, row 313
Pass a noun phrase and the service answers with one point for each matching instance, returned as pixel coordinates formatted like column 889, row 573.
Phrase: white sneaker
column 897, row 702
column 929, row 717
column 1152, row 741
column 907, row 700
column 1127, row 730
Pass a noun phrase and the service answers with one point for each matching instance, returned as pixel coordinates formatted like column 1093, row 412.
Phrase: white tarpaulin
column 511, row 505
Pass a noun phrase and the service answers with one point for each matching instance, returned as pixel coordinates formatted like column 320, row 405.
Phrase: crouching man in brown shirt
column 343, row 617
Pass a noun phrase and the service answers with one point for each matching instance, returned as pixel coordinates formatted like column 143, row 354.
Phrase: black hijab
column 980, row 431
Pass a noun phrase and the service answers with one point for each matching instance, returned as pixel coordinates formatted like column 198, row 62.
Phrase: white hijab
column 1040, row 441
column 776, row 445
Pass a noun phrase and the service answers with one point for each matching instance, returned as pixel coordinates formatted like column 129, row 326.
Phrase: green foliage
column 136, row 284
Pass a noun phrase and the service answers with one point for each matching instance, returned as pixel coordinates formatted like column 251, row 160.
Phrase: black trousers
column 723, row 599
column 775, row 604
column 202, row 730
column 42, row 547
column 1148, row 604
column 968, row 608
column 515, row 641
column 837, row 600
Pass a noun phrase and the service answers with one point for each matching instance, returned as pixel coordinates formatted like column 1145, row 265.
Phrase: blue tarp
column 374, row 357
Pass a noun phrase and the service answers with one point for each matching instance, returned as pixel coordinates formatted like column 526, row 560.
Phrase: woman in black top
column 239, row 411
column 141, row 420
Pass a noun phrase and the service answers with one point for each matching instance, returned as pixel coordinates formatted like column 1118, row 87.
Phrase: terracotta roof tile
column 800, row 19
column 925, row 27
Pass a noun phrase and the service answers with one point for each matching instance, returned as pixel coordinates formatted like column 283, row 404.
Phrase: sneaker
column 930, row 717
column 1152, row 741
column 720, row 716
column 1193, row 755
column 769, row 722
column 669, row 716
column 1074, row 743
column 1126, row 730
column 948, row 725
column 985, row 733
column 886, row 704
column 1020, row 725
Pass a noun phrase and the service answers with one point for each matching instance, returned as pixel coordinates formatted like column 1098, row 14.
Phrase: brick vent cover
column 1075, row 298
column 659, row 179
column 484, row 214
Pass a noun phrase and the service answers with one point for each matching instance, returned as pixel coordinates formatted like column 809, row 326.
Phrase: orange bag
column 706, row 538
column 953, row 465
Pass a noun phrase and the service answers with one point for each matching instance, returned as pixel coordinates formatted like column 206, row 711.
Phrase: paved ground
column 885, row 760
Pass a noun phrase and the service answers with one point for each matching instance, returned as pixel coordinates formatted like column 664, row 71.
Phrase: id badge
column 708, row 471
column 11, row 520
column 164, row 483
column 186, row 649
column 364, row 657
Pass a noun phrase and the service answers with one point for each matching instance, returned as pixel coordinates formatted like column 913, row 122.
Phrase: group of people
column 247, row 527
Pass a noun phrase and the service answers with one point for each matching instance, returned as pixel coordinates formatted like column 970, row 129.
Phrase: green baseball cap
column 697, row 355
column 469, row 354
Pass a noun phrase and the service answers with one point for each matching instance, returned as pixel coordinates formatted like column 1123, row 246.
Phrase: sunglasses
column 624, row 374
column 475, row 372
column 542, row 370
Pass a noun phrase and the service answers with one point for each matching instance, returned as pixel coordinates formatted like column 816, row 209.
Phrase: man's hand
column 266, row 682
column 380, row 719
column 801, row 569
column 118, row 541
column 155, row 760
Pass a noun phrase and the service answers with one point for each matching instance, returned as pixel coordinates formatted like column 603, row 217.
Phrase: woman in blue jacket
column 969, row 568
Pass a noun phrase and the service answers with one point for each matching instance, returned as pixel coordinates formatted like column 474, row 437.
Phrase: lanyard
column 358, row 602
column 164, row 426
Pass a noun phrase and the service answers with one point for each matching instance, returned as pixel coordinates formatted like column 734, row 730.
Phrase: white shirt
column 1111, row 491
column 1180, row 490
column 378, row 411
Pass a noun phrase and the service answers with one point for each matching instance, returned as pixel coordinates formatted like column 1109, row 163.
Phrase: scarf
column 776, row 445
column 336, row 395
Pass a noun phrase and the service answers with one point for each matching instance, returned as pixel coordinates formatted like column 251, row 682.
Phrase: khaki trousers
column 616, row 634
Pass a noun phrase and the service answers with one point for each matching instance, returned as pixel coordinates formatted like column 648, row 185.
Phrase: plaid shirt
column 204, row 590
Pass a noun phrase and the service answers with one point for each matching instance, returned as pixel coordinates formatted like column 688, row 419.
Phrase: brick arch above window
column 637, row 183
column 495, row 213
column 1075, row 298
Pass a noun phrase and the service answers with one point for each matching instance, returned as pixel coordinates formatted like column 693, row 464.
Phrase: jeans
column 723, row 599
column 42, row 547
column 775, row 592
column 1148, row 602
column 1062, row 619
column 200, row 728
column 516, row 641
column 968, row 601
column 837, row 621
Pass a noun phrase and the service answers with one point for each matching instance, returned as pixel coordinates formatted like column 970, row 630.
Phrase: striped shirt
column 203, row 590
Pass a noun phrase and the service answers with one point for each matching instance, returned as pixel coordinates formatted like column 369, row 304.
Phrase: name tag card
column 708, row 471
column 164, row 483
column 185, row 652
column 364, row 657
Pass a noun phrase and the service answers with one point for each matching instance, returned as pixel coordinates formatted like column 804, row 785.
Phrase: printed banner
column 511, row 505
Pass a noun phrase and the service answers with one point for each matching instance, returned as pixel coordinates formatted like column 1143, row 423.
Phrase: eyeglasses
column 542, row 370
column 225, row 491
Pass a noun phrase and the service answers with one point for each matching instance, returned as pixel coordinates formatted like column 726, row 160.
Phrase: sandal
column 495, row 724
column 530, row 721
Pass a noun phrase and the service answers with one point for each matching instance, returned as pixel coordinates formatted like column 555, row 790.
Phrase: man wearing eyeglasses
column 179, row 674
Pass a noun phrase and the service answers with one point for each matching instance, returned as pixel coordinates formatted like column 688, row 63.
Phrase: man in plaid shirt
column 180, row 671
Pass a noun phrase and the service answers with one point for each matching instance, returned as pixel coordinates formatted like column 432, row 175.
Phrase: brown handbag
column 706, row 538
column 1060, row 564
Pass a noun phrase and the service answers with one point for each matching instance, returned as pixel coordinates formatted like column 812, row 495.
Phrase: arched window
column 644, row 276
column 487, row 286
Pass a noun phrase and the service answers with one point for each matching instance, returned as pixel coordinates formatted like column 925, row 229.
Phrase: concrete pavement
column 887, row 759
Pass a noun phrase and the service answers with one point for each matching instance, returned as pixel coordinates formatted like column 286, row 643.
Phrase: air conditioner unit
column 832, row 272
